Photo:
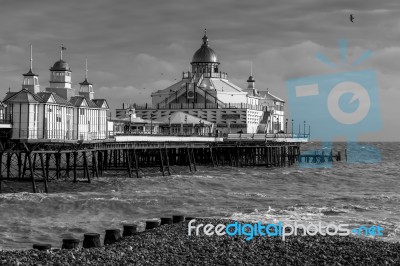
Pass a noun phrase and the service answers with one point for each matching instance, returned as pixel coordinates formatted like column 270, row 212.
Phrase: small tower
column 31, row 80
column 60, row 78
column 86, row 88
column 251, row 83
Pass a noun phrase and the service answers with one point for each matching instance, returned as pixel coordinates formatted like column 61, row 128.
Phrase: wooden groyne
column 43, row 162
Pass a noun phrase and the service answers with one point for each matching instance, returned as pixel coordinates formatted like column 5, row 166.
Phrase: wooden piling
column 70, row 243
column 91, row 240
column 112, row 236
column 152, row 224
column 28, row 154
column 75, row 165
column 129, row 230
column 42, row 247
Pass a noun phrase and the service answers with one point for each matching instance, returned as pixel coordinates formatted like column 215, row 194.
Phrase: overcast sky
column 137, row 47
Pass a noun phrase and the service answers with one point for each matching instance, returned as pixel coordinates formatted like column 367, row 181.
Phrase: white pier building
column 206, row 92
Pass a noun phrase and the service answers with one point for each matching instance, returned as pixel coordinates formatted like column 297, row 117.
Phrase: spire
column 86, row 69
column 31, row 60
column 251, row 79
column 86, row 88
column 31, row 80
column 30, row 72
column 86, row 82
column 205, row 38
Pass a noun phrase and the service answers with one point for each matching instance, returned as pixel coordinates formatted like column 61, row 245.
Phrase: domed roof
column 60, row 65
column 251, row 79
column 205, row 54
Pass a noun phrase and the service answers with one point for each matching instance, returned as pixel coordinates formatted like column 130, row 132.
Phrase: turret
column 86, row 88
column 31, row 80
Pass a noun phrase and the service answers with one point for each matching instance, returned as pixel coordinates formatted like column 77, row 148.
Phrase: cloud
column 175, row 48
column 13, row 49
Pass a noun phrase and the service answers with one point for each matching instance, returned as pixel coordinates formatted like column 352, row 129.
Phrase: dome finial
column 62, row 48
column 205, row 38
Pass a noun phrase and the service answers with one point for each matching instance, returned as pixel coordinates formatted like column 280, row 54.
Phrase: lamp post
column 200, row 127
column 292, row 127
column 151, row 123
column 186, row 123
column 286, row 125
column 304, row 128
column 169, row 123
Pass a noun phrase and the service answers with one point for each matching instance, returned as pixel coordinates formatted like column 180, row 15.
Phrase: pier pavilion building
column 205, row 92
column 56, row 113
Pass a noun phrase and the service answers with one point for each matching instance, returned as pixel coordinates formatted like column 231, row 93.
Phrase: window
column 82, row 111
column 50, row 110
column 58, row 119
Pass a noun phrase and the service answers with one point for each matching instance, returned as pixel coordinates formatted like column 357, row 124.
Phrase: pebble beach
column 171, row 245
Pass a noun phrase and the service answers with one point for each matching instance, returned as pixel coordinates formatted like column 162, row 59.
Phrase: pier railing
column 200, row 106
column 5, row 119
column 57, row 135
column 222, row 75
column 138, row 133
column 268, row 136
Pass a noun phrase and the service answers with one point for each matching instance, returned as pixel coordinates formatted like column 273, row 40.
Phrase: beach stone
column 42, row 246
column 112, row 236
column 166, row 220
column 178, row 218
column 152, row 224
column 91, row 240
column 70, row 243
column 129, row 230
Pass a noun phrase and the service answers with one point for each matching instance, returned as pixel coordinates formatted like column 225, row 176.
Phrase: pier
column 41, row 162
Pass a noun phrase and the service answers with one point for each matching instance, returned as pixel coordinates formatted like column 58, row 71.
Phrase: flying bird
column 352, row 18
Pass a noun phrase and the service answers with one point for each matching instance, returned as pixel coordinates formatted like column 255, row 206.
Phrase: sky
column 137, row 47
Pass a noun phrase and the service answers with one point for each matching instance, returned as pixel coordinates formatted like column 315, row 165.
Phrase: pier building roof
column 183, row 118
column 102, row 103
column 30, row 74
column 46, row 96
column 23, row 96
column 80, row 101
column 60, row 65
column 205, row 54
column 267, row 95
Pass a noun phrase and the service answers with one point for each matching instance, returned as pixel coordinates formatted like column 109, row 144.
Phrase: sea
column 348, row 193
